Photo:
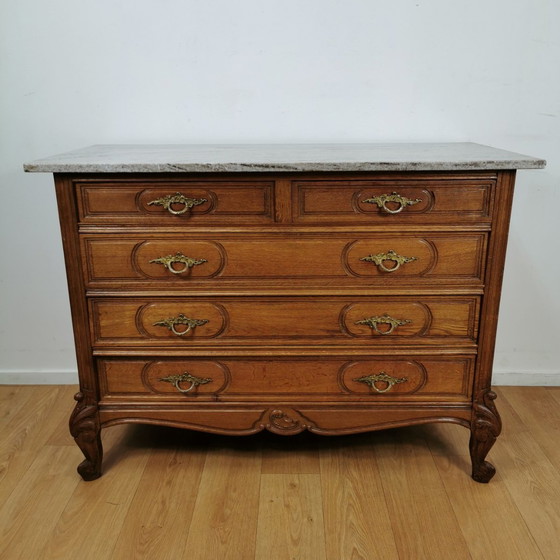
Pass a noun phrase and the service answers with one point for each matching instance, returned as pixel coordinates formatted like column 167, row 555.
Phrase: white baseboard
column 532, row 378
column 70, row 377
column 38, row 377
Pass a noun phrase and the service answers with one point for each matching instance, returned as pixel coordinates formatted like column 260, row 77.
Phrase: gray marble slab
column 282, row 158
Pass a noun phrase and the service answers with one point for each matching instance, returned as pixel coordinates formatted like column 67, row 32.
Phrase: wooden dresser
column 329, row 288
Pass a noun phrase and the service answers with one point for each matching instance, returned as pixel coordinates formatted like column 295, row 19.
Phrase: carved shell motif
column 282, row 422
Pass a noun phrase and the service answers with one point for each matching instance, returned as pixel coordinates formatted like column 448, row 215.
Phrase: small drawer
column 371, row 379
column 347, row 260
column 176, row 202
column 285, row 321
column 401, row 201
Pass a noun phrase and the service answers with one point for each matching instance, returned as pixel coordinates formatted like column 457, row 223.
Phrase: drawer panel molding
column 176, row 202
column 399, row 201
column 426, row 378
column 277, row 259
column 187, row 322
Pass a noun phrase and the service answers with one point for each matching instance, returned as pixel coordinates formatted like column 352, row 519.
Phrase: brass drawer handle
column 390, row 255
column 180, row 320
column 176, row 381
column 387, row 380
column 177, row 198
column 402, row 201
column 373, row 322
column 169, row 261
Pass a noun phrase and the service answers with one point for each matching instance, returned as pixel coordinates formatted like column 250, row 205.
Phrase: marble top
column 282, row 158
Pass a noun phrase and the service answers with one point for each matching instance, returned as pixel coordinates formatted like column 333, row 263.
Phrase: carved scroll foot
column 86, row 431
column 485, row 428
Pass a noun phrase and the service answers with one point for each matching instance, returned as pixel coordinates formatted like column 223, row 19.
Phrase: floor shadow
column 145, row 436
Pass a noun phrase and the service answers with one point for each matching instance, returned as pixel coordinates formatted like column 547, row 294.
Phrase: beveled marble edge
column 247, row 158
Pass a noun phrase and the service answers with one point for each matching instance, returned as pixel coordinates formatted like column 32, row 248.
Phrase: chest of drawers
column 335, row 289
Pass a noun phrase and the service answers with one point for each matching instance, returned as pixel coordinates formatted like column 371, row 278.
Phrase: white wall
column 110, row 71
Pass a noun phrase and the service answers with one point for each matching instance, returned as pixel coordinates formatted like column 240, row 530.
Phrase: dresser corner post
column 486, row 426
column 86, row 431
column 85, row 426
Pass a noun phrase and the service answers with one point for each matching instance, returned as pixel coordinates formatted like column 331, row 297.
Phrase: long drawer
column 347, row 260
column 187, row 322
column 370, row 379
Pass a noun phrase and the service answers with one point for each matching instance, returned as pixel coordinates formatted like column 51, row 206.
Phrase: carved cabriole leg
column 86, row 431
column 485, row 428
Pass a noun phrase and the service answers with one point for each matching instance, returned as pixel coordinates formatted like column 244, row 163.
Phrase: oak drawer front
column 191, row 322
column 398, row 201
column 371, row 379
column 347, row 260
column 176, row 203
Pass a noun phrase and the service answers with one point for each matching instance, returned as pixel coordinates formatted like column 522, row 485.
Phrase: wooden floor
column 171, row 494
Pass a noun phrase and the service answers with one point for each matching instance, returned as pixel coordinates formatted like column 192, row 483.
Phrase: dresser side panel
column 68, row 215
column 493, row 282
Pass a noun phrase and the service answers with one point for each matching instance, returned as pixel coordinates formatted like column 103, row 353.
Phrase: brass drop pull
column 172, row 322
column 382, row 200
column 170, row 260
column 390, row 255
column 177, row 198
column 176, row 381
column 387, row 381
column 373, row 322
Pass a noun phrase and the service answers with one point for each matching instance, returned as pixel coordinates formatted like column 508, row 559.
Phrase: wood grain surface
column 164, row 266
column 169, row 494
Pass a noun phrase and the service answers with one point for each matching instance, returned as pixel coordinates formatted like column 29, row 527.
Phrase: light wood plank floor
column 170, row 494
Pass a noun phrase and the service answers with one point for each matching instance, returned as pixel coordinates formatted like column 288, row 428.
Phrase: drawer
column 373, row 321
column 393, row 201
column 369, row 379
column 347, row 260
column 176, row 202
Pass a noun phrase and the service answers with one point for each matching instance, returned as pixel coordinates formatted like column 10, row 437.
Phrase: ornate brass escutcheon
column 180, row 320
column 178, row 198
column 186, row 377
column 390, row 255
column 373, row 322
column 387, row 380
column 170, row 260
column 402, row 202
